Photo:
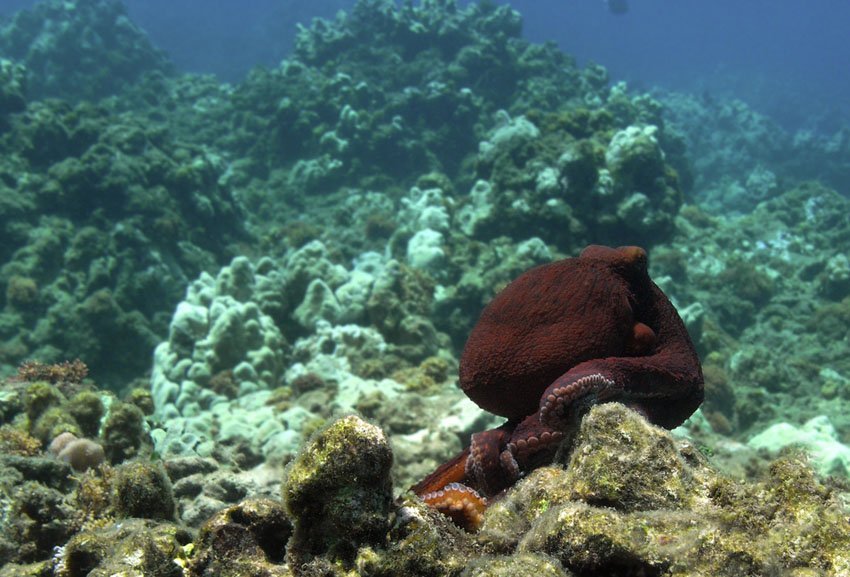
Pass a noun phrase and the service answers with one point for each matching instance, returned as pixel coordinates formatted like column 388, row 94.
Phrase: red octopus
column 557, row 340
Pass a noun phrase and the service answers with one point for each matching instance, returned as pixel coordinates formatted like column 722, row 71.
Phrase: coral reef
column 597, row 186
column 61, row 45
column 12, row 89
column 761, row 278
column 741, row 157
column 107, row 217
column 228, row 358
column 319, row 238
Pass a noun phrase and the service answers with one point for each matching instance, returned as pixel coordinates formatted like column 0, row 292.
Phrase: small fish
column 617, row 6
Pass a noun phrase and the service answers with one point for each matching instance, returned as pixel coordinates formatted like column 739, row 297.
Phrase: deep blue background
column 789, row 58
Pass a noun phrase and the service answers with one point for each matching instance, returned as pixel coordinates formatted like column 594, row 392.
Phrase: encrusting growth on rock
column 338, row 491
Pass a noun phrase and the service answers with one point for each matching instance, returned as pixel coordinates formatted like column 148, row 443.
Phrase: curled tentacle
column 462, row 504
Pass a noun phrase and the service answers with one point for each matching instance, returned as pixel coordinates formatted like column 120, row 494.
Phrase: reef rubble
column 627, row 498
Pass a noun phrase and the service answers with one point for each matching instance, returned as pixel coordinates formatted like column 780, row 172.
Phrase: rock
column 338, row 491
column 635, row 501
column 131, row 547
column 142, row 490
column 245, row 539
column 817, row 436
column 181, row 467
column 422, row 542
column 609, row 464
column 520, row 565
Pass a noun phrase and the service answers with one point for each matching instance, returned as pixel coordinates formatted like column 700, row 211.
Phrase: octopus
column 557, row 340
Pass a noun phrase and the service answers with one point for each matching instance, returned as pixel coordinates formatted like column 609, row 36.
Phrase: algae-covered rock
column 508, row 519
column 37, row 518
column 87, row 409
column 520, row 565
column 598, row 541
column 39, row 569
column 246, row 539
column 422, row 543
column 338, row 491
column 609, row 465
column 635, row 501
column 124, row 434
column 130, row 547
column 142, row 490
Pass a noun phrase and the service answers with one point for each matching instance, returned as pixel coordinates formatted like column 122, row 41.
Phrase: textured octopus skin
column 558, row 339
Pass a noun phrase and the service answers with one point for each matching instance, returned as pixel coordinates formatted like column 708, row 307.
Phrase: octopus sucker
column 462, row 504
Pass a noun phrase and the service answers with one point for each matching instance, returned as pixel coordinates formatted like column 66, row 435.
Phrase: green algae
column 128, row 547
column 657, row 508
column 142, row 490
column 124, row 435
column 338, row 491
column 247, row 539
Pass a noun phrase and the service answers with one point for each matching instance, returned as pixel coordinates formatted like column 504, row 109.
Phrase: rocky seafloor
column 242, row 268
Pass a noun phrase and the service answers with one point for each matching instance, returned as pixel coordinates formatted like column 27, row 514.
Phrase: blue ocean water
column 789, row 59
column 785, row 56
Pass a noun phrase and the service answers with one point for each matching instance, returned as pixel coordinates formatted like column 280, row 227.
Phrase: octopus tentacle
column 484, row 467
column 462, row 504
column 570, row 396
column 533, row 444
column 452, row 471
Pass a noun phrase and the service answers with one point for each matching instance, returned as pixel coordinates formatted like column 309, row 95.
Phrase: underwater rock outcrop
column 633, row 500
column 104, row 220
column 245, row 539
column 129, row 547
column 79, row 50
column 629, row 499
column 338, row 492
column 626, row 497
